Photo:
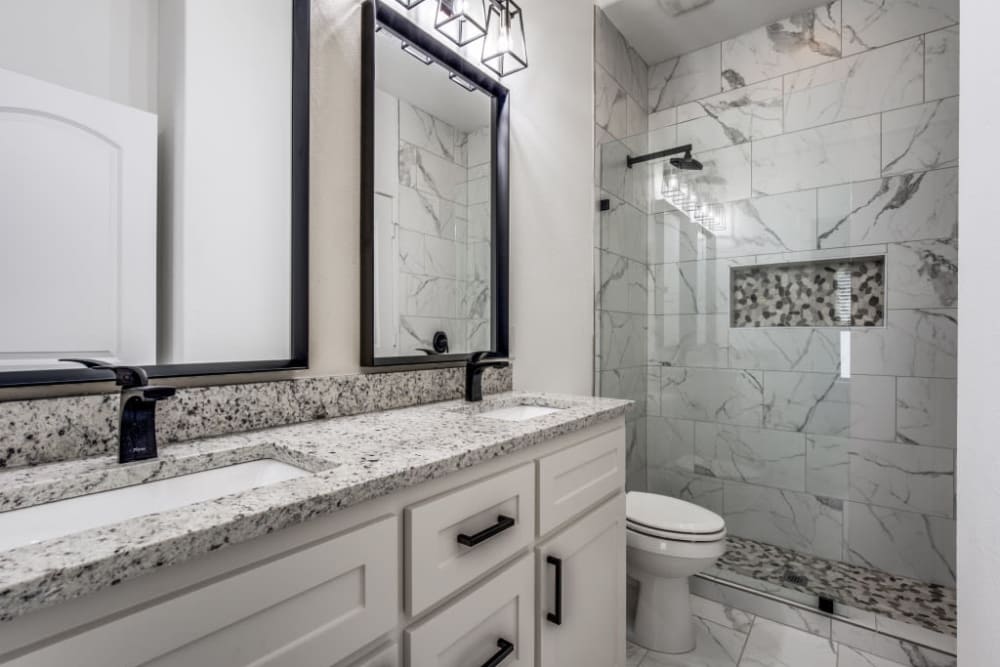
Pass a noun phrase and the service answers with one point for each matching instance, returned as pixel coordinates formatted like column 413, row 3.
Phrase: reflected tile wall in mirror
column 433, row 222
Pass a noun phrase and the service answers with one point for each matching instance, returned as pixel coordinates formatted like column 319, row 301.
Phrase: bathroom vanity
column 444, row 534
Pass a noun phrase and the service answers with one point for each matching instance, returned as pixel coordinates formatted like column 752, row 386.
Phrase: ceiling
column 663, row 29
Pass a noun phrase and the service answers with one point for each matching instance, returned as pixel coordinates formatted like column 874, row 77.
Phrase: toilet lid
column 662, row 513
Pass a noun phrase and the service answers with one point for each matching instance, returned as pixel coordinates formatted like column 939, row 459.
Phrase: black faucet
column 474, row 369
column 137, row 410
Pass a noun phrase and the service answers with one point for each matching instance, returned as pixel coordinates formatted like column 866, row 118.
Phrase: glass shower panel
column 622, row 290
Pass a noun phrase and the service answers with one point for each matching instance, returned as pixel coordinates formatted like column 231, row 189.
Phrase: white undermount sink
column 519, row 413
column 74, row 515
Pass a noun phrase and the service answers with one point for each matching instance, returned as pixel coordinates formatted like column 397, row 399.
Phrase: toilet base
column 663, row 618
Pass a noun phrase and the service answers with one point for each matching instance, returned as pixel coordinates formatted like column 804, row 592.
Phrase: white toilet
column 668, row 541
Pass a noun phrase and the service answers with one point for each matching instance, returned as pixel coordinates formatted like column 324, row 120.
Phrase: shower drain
column 796, row 579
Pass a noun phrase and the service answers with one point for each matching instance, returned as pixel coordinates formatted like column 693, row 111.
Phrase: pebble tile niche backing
column 810, row 294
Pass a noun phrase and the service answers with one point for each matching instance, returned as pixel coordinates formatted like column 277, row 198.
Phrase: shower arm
column 686, row 148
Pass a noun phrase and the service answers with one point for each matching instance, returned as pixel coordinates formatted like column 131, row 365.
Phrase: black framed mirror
column 434, row 199
column 154, row 197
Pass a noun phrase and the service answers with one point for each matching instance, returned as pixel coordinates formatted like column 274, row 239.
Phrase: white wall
column 979, row 343
column 552, row 199
column 82, row 47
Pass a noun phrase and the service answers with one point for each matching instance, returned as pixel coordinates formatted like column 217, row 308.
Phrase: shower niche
column 833, row 293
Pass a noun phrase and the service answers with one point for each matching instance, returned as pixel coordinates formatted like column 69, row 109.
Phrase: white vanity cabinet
column 460, row 571
column 581, row 574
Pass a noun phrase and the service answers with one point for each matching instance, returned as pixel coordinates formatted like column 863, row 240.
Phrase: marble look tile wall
column 826, row 136
column 61, row 429
column 620, row 237
column 443, row 238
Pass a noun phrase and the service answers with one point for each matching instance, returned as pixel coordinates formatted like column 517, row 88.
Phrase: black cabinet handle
column 506, row 648
column 502, row 524
column 557, row 616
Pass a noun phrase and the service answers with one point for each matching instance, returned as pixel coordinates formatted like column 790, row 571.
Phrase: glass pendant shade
column 461, row 21
column 409, row 4
column 505, row 50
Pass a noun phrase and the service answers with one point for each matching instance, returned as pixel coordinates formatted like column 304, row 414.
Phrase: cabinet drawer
column 312, row 607
column 495, row 518
column 575, row 479
column 494, row 619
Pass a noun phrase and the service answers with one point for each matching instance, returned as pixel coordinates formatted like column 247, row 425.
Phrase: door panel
column 78, row 235
column 592, row 557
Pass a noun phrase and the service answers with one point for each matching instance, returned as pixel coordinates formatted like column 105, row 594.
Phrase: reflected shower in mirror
column 433, row 211
column 153, row 170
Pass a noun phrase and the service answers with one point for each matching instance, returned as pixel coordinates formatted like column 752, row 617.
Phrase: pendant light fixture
column 505, row 50
column 409, row 4
column 461, row 21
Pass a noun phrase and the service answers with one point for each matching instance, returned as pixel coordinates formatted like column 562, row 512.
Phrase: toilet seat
column 664, row 518
column 674, row 536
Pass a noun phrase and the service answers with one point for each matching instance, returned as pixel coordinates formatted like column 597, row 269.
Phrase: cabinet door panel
column 575, row 479
column 592, row 556
column 477, row 627
column 311, row 608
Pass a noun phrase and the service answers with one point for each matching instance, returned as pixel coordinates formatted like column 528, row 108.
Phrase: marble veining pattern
column 806, row 39
column 367, row 456
column 910, row 207
column 870, row 82
column 828, row 136
column 443, row 213
column 921, row 137
column 872, row 23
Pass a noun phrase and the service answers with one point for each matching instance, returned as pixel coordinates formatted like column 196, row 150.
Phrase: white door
column 584, row 625
column 77, row 227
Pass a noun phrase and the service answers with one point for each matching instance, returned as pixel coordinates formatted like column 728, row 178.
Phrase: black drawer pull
column 502, row 524
column 506, row 648
column 557, row 616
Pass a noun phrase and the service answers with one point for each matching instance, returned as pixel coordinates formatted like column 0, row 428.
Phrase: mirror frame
column 299, row 220
column 377, row 14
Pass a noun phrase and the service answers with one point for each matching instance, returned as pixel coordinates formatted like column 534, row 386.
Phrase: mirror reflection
column 433, row 212
column 146, row 189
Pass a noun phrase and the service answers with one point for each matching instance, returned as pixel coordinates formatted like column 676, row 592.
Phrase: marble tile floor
column 852, row 587
column 728, row 637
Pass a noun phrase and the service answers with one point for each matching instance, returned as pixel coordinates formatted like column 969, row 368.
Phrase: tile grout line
column 746, row 640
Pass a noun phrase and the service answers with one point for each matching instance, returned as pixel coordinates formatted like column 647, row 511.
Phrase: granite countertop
column 351, row 460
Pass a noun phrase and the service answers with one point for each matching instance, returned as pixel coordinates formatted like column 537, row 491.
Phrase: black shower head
column 687, row 163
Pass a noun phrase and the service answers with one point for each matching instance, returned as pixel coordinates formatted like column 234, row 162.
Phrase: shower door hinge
column 605, row 205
